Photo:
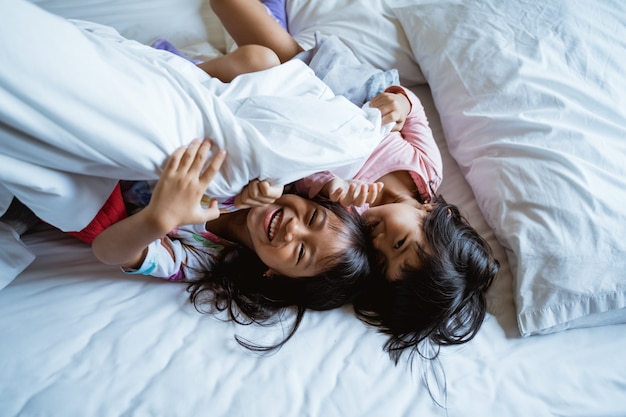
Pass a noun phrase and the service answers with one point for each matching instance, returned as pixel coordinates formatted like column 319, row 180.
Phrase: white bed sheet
column 80, row 338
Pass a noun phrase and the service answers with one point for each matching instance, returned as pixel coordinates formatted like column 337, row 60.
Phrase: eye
column 399, row 244
column 300, row 253
column 313, row 217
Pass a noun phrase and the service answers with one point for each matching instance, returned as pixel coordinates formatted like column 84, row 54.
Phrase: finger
column 374, row 191
column 336, row 195
column 387, row 118
column 213, row 168
column 189, row 155
column 200, row 157
column 350, row 195
column 243, row 198
column 212, row 212
column 372, row 194
column 380, row 100
column 257, row 199
column 252, row 189
column 362, row 195
column 239, row 203
column 171, row 164
column 269, row 191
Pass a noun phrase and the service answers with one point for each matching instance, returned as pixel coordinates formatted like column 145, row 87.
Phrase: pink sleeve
column 417, row 132
column 311, row 186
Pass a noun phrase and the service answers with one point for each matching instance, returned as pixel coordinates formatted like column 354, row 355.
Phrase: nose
column 293, row 229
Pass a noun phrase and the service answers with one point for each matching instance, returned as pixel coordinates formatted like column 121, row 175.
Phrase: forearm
column 125, row 242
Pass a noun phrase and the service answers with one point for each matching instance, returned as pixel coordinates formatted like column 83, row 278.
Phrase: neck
column 232, row 226
column 399, row 187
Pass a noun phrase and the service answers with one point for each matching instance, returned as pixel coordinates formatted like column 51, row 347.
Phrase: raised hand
column 352, row 192
column 174, row 202
column 394, row 107
column 180, row 189
column 257, row 194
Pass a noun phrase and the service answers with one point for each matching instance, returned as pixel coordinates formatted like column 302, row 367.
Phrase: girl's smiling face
column 397, row 232
column 294, row 236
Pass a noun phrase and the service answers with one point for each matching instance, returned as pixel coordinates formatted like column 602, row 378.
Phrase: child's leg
column 247, row 58
column 248, row 22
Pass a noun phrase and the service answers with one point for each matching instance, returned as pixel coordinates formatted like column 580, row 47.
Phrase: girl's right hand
column 394, row 107
column 179, row 191
column 352, row 192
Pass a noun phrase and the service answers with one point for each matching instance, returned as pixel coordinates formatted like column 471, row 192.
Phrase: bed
column 527, row 100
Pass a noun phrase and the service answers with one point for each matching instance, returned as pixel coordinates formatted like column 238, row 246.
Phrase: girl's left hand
column 258, row 194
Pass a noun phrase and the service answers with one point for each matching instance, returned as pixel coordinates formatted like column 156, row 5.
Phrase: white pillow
column 532, row 99
column 190, row 25
column 179, row 21
column 368, row 27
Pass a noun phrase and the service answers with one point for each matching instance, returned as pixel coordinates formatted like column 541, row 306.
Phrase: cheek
column 264, row 254
column 272, row 257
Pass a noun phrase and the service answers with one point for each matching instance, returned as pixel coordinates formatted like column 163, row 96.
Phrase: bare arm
column 175, row 202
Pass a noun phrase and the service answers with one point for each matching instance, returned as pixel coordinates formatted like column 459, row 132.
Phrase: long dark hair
column 443, row 301
column 238, row 286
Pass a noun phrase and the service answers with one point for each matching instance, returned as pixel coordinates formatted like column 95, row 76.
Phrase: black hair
column 443, row 300
column 239, row 287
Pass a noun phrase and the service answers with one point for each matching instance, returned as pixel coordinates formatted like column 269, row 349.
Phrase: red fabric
column 111, row 212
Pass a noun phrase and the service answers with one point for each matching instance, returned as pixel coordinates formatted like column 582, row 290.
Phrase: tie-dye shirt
column 185, row 254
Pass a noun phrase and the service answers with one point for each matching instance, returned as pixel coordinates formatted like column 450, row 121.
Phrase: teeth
column 270, row 232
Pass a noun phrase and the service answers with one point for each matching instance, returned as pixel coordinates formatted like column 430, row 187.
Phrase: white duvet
column 83, row 107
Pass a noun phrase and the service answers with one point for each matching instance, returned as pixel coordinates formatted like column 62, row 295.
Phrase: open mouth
column 274, row 224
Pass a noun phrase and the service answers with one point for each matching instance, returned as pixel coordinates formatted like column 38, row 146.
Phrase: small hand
column 258, row 194
column 177, row 195
column 352, row 192
column 394, row 107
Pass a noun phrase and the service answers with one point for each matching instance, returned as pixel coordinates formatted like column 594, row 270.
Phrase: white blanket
column 83, row 107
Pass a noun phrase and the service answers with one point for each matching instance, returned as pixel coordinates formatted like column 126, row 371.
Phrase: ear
column 428, row 207
column 269, row 273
